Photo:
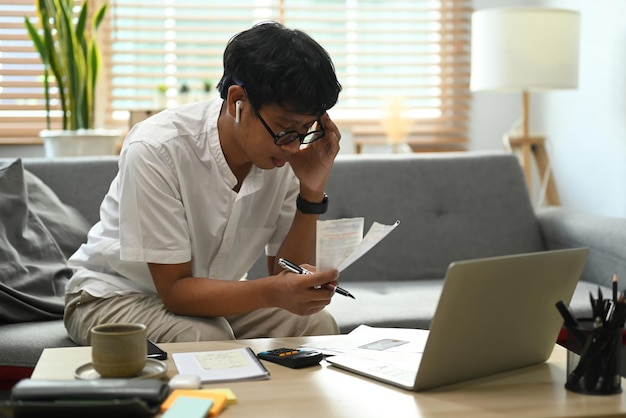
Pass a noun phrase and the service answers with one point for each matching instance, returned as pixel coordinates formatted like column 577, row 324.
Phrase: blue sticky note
column 187, row 407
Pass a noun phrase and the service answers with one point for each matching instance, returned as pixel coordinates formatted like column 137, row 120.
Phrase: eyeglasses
column 284, row 138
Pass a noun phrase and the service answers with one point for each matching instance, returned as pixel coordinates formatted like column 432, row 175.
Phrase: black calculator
column 292, row 357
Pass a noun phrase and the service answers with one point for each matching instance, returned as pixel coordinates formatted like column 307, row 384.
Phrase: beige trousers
column 83, row 311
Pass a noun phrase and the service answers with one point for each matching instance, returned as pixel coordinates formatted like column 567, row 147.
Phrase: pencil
column 615, row 287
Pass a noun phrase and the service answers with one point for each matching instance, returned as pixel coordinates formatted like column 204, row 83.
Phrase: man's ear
column 235, row 100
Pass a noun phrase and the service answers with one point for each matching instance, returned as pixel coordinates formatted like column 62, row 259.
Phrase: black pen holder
column 593, row 359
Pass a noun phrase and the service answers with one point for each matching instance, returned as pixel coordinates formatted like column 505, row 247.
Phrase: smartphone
column 156, row 352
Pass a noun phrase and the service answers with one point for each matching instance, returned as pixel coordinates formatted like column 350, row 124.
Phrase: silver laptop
column 494, row 315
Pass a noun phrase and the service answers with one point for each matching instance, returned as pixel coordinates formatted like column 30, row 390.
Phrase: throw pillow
column 33, row 265
column 67, row 225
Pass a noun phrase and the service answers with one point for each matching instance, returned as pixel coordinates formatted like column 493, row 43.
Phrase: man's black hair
column 279, row 65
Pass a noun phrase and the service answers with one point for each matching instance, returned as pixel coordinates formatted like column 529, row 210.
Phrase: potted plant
column 183, row 93
column 71, row 58
column 162, row 96
column 207, row 88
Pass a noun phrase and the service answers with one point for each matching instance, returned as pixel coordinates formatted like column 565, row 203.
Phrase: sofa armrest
column 604, row 236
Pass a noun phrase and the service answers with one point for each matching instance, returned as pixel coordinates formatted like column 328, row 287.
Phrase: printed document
column 340, row 242
column 401, row 347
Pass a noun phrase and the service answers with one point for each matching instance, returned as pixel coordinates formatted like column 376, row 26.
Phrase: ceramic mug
column 118, row 350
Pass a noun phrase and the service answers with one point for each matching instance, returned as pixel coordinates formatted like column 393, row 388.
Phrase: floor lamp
column 526, row 49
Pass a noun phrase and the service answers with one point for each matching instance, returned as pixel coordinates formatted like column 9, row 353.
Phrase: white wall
column 588, row 127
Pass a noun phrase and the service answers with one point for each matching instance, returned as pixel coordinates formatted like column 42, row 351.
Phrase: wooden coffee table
column 325, row 391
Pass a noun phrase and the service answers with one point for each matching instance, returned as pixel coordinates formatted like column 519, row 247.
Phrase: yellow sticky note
column 219, row 399
column 230, row 395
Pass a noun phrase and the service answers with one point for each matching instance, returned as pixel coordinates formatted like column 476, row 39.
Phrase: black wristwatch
column 309, row 208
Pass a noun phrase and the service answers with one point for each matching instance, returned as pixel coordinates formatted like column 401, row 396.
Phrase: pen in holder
column 594, row 348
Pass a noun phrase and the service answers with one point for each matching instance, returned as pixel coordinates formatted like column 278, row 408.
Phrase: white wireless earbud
column 238, row 111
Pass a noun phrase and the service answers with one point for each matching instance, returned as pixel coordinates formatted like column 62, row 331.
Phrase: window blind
column 22, row 110
column 22, row 104
column 412, row 52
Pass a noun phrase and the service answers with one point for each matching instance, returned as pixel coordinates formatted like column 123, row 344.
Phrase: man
column 203, row 188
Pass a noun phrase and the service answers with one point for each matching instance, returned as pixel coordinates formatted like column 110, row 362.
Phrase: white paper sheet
column 401, row 347
column 340, row 242
column 365, row 335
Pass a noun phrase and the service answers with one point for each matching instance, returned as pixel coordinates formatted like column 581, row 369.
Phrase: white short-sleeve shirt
column 172, row 202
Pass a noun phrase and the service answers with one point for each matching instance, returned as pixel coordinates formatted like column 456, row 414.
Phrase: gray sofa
column 451, row 206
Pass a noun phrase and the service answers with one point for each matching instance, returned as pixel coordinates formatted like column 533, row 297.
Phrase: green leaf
column 94, row 65
column 37, row 40
column 82, row 21
column 99, row 17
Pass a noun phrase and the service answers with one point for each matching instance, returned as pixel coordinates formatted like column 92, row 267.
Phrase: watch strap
column 310, row 208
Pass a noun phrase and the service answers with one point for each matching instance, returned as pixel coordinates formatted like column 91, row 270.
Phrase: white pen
column 293, row 267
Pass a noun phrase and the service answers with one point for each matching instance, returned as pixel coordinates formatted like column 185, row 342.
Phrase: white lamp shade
column 524, row 49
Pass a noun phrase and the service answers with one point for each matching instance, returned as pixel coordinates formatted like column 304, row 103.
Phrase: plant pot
column 82, row 142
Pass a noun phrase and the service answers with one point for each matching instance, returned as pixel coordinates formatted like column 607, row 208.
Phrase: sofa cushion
column 80, row 182
column 605, row 236
column 21, row 344
column 451, row 207
column 66, row 225
column 407, row 304
column 37, row 233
